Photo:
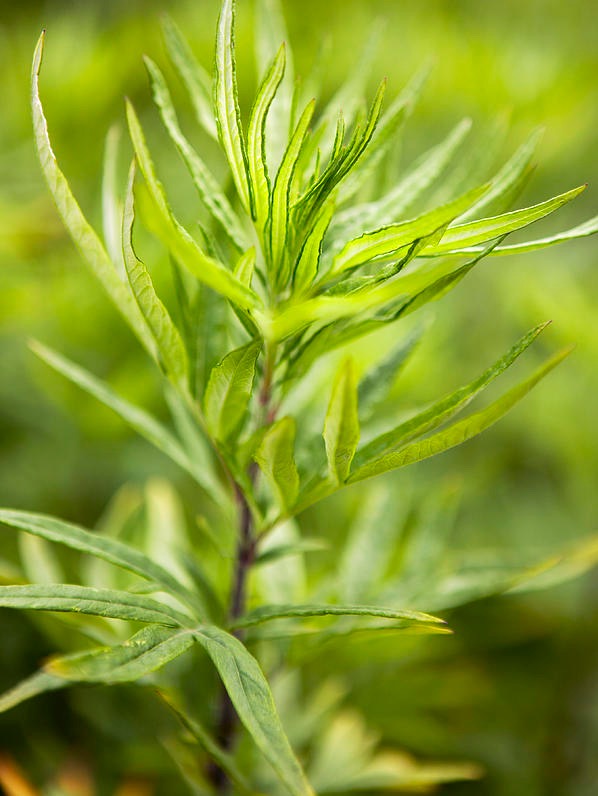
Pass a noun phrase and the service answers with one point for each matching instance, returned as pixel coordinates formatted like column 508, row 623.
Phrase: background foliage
column 516, row 688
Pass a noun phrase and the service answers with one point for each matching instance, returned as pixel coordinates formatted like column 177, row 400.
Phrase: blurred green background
column 517, row 688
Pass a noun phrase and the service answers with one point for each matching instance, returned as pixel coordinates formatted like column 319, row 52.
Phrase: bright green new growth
column 297, row 272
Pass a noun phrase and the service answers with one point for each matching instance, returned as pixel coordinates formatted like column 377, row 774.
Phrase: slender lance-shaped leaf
column 82, row 234
column 250, row 694
column 510, row 178
column 267, row 613
column 144, row 424
column 171, row 351
column 226, row 99
column 275, row 457
column 210, row 192
column 447, row 407
column 457, row 433
column 589, row 227
column 486, row 229
column 95, row 544
column 279, row 211
column 341, row 427
column 145, row 652
column 224, row 760
column 387, row 240
column 309, row 259
column 389, row 208
column 245, row 266
column 86, row 600
column 38, row 683
column 196, row 79
column 229, row 389
column 111, row 202
column 182, row 246
column 270, row 34
column 256, row 136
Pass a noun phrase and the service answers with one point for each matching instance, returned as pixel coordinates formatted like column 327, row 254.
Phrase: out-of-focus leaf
column 37, row 683
column 341, row 427
column 275, row 457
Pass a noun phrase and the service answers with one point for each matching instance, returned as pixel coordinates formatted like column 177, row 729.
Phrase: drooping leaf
column 341, row 427
column 267, row 613
column 145, row 424
column 250, row 694
column 181, row 245
column 256, row 136
column 209, row 191
column 275, row 457
column 228, row 116
column 446, row 408
column 86, row 600
column 95, row 544
column 171, row 351
column 84, row 237
column 457, row 433
column 229, row 389
column 196, row 79
column 38, row 683
column 145, row 652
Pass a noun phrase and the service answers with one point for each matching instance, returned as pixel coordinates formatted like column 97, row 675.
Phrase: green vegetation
column 268, row 602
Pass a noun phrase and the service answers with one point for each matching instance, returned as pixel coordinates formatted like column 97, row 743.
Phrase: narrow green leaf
column 229, row 389
column 270, row 34
column 251, row 696
column 474, row 232
column 341, row 427
column 145, row 652
column 209, row 191
column 111, row 202
column 171, row 351
column 86, row 600
column 196, row 79
column 256, row 136
column 510, row 179
column 228, row 116
column 245, row 267
column 279, row 211
column 266, row 613
column 95, row 544
column 82, row 234
column 306, row 269
column 388, row 209
column 589, row 227
column 457, row 433
column 276, row 459
column 377, row 383
column 182, row 246
column 446, row 408
column 37, row 683
column 224, row 760
column 142, row 422
column 388, row 240
column 306, row 545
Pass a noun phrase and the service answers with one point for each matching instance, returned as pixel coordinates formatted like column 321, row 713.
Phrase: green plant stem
column 227, row 721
